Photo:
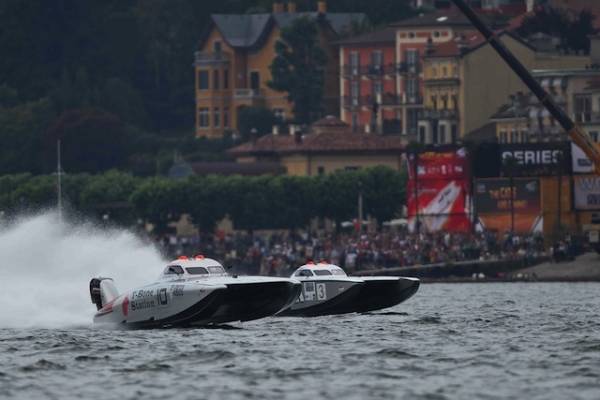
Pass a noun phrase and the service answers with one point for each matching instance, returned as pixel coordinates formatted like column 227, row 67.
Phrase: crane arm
column 576, row 132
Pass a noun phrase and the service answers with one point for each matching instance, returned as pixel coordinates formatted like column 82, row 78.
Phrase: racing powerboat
column 326, row 289
column 192, row 292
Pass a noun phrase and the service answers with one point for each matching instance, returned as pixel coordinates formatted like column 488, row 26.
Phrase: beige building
column 330, row 146
column 466, row 82
column 232, row 64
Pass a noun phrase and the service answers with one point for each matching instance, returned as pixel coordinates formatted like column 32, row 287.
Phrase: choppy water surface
column 449, row 341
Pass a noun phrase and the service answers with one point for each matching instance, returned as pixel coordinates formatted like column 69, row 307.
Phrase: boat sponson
column 379, row 294
column 336, row 305
column 245, row 302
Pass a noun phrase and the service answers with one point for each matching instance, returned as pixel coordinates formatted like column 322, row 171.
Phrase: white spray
column 46, row 266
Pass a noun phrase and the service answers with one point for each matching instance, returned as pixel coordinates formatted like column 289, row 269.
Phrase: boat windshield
column 338, row 272
column 197, row 271
column 173, row 270
column 304, row 272
column 322, row 272
column 216, row 269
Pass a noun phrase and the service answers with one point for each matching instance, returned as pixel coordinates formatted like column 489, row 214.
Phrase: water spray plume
column 47, row 264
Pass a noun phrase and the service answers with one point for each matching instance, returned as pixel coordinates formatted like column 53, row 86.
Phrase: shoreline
column 585, row 268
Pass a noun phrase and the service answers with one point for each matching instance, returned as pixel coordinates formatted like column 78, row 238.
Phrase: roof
column 247, row 30
column 326, row 142
column 467, row 43
column 518, row 108
column 330, row 121
column 445, row 17
column 387, row 35
column 485, row 133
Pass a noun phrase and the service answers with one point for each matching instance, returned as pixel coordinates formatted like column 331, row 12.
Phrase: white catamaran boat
column 192, row 292
column 326, row 289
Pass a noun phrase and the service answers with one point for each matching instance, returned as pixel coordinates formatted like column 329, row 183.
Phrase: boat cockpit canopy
column 321, row 269
column 196, row 267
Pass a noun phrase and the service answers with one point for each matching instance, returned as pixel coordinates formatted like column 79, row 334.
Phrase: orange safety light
column 323, row 262
column 310, row 263
column 182, row 258
column 199, row 257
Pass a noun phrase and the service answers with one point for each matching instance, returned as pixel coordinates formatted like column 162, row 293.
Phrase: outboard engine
column 102, row 291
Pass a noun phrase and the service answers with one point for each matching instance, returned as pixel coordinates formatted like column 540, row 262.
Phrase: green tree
column 573, row 29
column 259, row 118
column 299, row 68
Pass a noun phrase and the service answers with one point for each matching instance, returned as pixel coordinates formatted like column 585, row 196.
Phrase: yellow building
column 330, row 146
column 466, row 82
column 233, row 60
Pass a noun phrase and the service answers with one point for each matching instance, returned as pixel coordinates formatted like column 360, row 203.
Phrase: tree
column 572, row 29
column 259, row 118
column 299, row 68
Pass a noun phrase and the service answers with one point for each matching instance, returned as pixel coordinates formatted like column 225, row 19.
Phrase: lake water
column 450, row 341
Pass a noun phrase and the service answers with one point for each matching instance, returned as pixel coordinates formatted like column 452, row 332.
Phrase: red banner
column 438, row 194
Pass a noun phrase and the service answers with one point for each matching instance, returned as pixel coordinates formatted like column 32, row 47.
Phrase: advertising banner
column 494, row 209
column 587, row 192
column 536, row 159
column 438, row 191
column 581, row 164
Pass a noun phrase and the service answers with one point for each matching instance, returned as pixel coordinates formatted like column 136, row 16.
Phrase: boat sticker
column 162, row 297
column 177, row 290
column 321, row 291
column 300, row 298
column 308, row 291
column 142, row 299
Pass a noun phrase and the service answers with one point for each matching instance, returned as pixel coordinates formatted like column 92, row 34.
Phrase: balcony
column 405, row 68
column 371, row 70
column 439, row 114
column 243, row 94
column 203, row 58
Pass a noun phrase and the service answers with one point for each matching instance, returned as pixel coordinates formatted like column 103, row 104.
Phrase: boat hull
column 380, row 293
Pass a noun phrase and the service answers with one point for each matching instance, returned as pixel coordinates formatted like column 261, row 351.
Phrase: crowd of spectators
column 281, row 253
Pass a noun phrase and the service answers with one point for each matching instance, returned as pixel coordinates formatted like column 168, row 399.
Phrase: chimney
column 530, row 4
column 298, row 136
column 322, row 7
column 291, row 7
column 278, row 8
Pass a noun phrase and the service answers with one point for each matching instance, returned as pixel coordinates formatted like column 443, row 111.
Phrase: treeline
column 112, row 78
column 252, row 203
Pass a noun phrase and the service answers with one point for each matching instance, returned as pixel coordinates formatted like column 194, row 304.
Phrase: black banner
column 535, row 159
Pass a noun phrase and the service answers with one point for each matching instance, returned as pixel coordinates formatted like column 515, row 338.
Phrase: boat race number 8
column 321, row 291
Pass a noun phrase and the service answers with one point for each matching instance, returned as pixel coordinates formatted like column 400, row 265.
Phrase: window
column 217, row 117
column 173, row 270
column 217, row 46
column 225, row 117
column 444, row 71
column 433, row 72
column 354, row 122
column 377, row 59
column 304, row 272
column 338, row 271
column 442, row 136
column 436, row 34
column 321, row 272
column 216, row 269
column 411, row 35
column 594, row 136
column 413, row 121
column 225, row 79
column 197, row 271
column 216, row 80
column 434, row 103
column 354, row 62
column 583, row 108
column 355, row 92
column 513, row 136
column 454, row 133
column 279, row 113
column 411, row 56
column 422, row 135
column 377, row 89
column 203, row 119
column 254, row 80
column 202, row 80
column 412, row 88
